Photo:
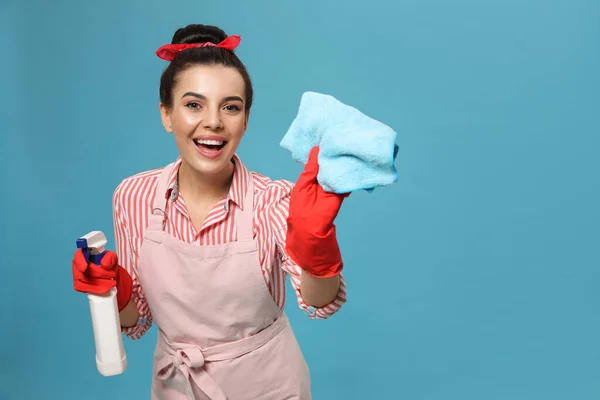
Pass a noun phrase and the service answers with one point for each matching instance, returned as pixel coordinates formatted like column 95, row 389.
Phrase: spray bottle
column 110, row 353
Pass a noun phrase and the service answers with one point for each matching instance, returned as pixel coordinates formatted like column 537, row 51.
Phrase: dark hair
column 197, row 33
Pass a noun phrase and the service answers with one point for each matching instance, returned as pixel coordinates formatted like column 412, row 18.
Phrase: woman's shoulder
column 268, row 190
column 266, row 183
column 141, row 186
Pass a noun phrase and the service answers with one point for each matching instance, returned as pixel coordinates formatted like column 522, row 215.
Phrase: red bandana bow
column 169, row 51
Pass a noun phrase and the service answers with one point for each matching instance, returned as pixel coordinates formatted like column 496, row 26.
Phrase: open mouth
column 211, row 145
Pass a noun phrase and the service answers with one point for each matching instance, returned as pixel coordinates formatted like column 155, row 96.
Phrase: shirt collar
column 238, row 188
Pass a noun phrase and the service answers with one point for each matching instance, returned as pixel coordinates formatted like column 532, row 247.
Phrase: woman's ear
column 165, row 117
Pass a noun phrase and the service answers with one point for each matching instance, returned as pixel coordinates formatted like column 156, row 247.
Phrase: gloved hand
column 99, row 279
column 311, row 237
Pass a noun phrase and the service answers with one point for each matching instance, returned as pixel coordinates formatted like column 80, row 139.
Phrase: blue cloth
column 356, row 152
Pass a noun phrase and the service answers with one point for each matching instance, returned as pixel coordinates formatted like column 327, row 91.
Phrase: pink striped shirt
column 132, row 204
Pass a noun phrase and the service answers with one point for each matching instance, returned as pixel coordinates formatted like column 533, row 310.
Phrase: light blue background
column 474, row 277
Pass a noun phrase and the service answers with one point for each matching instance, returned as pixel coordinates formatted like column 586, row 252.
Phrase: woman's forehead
column 211, row 80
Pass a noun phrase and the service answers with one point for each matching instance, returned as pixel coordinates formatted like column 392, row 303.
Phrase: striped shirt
column 132, row 205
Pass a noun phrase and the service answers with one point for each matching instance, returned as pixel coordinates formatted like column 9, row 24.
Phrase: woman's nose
column 213, row 120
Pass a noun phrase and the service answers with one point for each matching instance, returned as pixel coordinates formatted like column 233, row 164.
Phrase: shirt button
column 311, row 311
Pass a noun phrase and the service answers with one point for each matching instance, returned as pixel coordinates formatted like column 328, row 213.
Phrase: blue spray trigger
column 94, row 258
column 82, row 244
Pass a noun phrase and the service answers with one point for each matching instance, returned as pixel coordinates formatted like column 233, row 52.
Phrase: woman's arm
column 135, row 318
column 319, row 292
column 301, row 219
column 317, row 297
column 129, row 315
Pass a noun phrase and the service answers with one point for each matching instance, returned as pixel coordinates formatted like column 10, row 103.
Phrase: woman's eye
column 232, row 108
column 193, row 106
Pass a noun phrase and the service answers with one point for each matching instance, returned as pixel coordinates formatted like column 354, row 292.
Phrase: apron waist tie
column 189, row 359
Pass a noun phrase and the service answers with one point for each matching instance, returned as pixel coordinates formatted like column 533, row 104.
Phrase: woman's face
column 208, row 117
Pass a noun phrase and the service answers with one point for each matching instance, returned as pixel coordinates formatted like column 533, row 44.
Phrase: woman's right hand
column 91, row 278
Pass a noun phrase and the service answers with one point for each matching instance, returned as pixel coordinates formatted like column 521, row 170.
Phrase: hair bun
column 198, row 33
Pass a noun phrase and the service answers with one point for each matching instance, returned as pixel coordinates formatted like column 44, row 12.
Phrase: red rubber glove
column 311, row 237
column 99, row 279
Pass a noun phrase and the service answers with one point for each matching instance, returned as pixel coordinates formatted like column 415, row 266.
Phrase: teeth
column 210, row 142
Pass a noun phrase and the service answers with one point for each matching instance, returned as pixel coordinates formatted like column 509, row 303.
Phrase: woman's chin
column 210, row 165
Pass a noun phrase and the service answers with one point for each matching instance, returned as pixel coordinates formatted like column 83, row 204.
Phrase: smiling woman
column 204, row 246
column 207, row 116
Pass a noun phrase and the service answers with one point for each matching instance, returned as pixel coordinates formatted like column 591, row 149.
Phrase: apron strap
column 245, row 216
column 158, row 215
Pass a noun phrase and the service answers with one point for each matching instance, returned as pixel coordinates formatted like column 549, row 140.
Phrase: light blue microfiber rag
column 356, row 152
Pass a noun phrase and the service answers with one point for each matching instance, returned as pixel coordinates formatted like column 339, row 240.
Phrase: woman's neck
column 198, row 187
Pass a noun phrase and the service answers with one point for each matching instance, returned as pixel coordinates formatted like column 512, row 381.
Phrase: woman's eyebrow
column 202, row 97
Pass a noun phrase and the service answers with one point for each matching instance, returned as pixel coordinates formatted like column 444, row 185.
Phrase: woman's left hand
column 311, row 237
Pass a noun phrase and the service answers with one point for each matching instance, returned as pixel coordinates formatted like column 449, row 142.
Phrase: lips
column 210, row 146
column 213, row 144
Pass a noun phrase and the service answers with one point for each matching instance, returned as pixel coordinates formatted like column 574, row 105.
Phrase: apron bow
column 182, row 359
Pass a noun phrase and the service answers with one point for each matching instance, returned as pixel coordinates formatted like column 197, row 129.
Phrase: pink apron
column 220, row 334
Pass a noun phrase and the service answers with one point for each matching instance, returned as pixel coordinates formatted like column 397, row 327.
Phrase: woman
column 204, row 246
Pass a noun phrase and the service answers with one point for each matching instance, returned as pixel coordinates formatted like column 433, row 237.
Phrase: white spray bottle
column 110, row 352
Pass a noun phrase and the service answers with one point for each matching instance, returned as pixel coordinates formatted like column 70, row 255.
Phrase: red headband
column 169, row 51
